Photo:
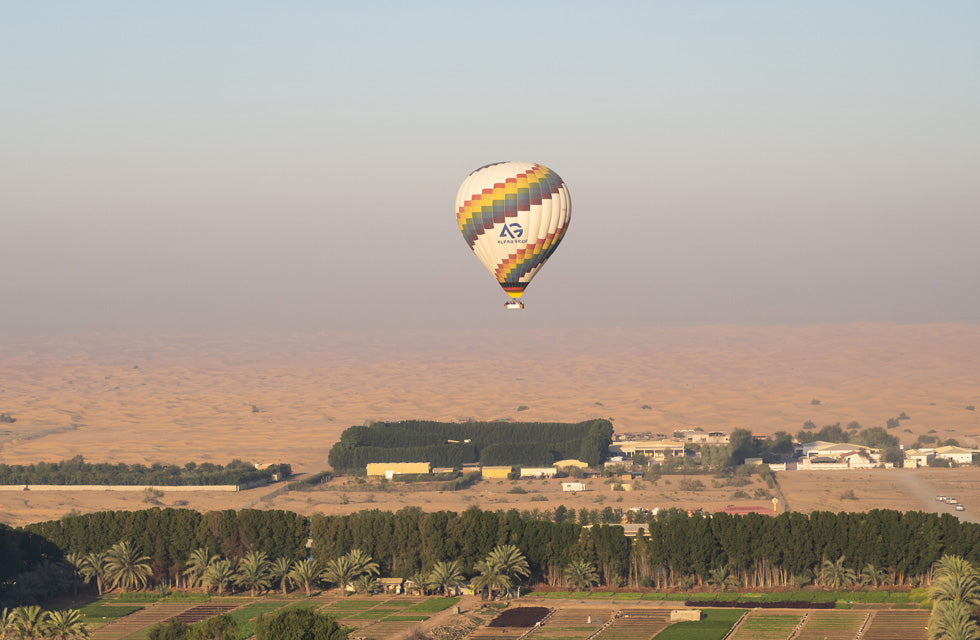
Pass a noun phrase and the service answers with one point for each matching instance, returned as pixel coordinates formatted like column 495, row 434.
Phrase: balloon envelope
column 513, row 215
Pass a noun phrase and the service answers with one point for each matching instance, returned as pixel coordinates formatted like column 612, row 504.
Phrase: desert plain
column 287, row 397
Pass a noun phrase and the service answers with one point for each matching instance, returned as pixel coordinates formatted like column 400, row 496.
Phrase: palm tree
column 952, row 621
column 198, row 562
column 835, row 575
column 511, row 561
column 67, row 625
column 340, row 571
column 362, row 562
column 490, row 578
column 279, row 572
column 254, row 572
column 127, row 567
column 446, row 575
column 30, row 622
column 872, row 575
column 220, row 574
column 421, row 582
column 6, row 623
column 581, row 575
column 952, row 565
column 955, row 580
column 365, row 584
column 722, row 578
column 75, row 562
column 305, row 573
column 96, row 566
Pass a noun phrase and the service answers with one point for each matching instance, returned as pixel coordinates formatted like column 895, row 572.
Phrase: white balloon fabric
column 513, row 215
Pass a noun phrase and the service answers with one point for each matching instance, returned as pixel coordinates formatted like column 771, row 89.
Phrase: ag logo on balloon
column 512, row 230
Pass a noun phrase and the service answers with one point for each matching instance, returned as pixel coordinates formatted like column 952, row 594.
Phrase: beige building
column 571, row 462
column 389, row 469
column 496, row 472
column 538, row 472
column 655, row 450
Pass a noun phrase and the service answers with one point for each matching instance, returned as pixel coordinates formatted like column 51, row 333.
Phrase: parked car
column 941, row 498
column 960, row 507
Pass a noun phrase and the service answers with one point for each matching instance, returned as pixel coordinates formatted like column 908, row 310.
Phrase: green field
column 713, row 626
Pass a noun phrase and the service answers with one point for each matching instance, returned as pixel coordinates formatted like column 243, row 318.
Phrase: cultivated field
column 287, row 398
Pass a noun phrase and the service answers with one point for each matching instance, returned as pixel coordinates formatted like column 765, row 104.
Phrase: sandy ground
column 127, row 398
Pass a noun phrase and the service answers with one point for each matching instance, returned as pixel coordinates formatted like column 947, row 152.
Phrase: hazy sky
column 189, row 166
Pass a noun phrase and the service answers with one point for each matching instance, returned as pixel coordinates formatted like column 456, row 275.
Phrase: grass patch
column 370, row 615
column 654, row 595
column 559, row 594
column 715, row 624
column 99, row 612
column 432, row 605
column 406, row 618
column 602, row 595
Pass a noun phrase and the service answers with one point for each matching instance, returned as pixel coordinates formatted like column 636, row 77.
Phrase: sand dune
column 126, row 398
column 166, row 398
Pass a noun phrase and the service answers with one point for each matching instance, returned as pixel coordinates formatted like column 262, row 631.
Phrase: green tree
column 254, row 572
column 7, row 622
column 30, row 622
column 298, row 623
column 722, row 578
column 173, row 629
column 75, row 563
column 581, row 575
column 490, row 578
column 362, row 563
column 342, row 572
column 511, row 561
column 222, row 627
column 96, row 566
column 305, row 573
column 198, row 562
column 952, row 620
column 835, row 575
column 220, row 574
column 127, row 567
column 279, row 571
column 872, row 575
column 446, row 575
column 366, row 584
column 67, row 625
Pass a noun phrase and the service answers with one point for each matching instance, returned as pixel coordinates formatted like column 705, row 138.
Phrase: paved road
column 923, row 497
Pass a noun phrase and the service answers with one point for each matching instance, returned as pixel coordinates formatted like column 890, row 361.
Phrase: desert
column 287, row 397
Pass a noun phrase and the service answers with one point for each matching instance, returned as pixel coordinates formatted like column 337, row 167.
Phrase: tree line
column 76, row 471
column 447, row 444
column 756, row 550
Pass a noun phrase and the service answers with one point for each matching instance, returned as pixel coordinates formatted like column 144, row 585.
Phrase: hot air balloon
column 513, row 215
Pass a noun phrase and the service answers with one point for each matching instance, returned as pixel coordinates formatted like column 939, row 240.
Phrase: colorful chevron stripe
column 482, row 211
column 522, row 262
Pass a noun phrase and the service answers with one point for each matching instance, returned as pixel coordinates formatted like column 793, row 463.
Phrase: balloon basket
column 514, row 304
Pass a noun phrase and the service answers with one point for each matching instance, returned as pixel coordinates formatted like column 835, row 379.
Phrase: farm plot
column 146, row 617
column 379, row 619
column 897, row 625
column 767, row 626
column 205, row 611
column 636, row 624
column 572, row 624
column 832, row 625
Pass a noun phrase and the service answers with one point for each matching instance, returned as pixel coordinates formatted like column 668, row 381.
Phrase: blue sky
column 277, row 166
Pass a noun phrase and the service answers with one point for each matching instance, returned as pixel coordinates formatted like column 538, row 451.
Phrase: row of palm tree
column 955, row 591
column 125, row 567
column 834, row 575
column 122, row 566
column 28, row 623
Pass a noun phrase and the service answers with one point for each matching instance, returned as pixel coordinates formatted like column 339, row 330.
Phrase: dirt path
column 923, row 496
